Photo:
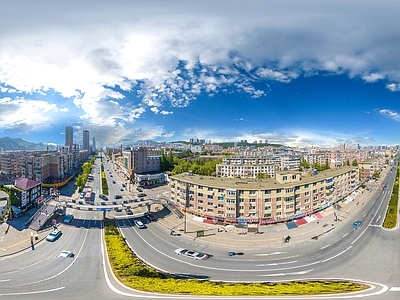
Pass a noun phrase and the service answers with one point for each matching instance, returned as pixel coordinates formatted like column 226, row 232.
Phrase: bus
column 88, row 195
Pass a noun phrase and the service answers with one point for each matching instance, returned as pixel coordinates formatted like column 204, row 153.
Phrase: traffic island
column 132, row 272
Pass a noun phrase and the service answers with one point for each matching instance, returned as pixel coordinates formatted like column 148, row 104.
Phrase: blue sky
column 299, row 73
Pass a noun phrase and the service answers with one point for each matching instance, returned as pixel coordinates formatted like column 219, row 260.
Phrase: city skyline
column 294, row 73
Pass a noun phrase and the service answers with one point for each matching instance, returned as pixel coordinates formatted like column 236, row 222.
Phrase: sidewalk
column 272, row 235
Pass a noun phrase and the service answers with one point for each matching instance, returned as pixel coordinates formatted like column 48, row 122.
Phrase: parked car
column 66, row 253
column 142, row 195
column 191, row 253
column 68, row 218
column 123, row 185
column 139, row 189
column 82, row 195
column 129, row 211
column 139, row 224
column 52, row 236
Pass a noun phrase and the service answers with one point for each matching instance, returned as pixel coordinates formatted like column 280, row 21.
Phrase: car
column 66, row 253
column 139, row 189
column 121, row 188
column 104, row 197
column 111, row 175
column 113, row 181
column 117, row 197
column 139, row 224
column 54, row 235
column 68, row 218
column 191, row 253
column 142, row 195
column 123, row 185
column 357, row 224
column 82, row 195
column 129, row 211
column 150, row 217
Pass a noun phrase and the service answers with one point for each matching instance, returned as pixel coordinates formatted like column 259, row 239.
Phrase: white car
column 66, row 253
column 140, row 224
column 52, row 236
column 191, row 253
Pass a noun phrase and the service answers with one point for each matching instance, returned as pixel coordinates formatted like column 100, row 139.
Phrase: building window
column 252, row 200
column 209, row 203
column 267, row 192
column 278, row 191
column 200, row 194
column 209, row 189
column 267, row 200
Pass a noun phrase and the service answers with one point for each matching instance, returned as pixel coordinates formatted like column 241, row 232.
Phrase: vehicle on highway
column 66, row 253
column 142, row 195
column 139, row 189
column 113, row 181
column 139, row 224
column 52, row 236
column 150, row 217
column 104, row 197
column 357, row 224
column 121, row 188
column 68, row 218
column 117, row 197
column 191, row 253
column 123, row 185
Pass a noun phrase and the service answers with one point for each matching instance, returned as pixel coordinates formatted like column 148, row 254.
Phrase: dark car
column 117, row 197
column 129, row 211
column 123, row 185
column 142, row 195
column 104, row 197
column 113, row 181
column 139, row 189
column 150, row 217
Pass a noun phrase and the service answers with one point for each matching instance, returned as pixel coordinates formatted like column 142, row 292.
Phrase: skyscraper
column 94, row 144
column 69, row 136
column 86, row 140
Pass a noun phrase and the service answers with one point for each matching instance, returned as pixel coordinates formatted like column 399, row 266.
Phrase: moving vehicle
column 191, row 253
column 139, row 189
column 55, row 234
column 66, row 253
column 129, row 211
column 357, row 224
column 68, row 218
column 142, row 195
column 104, row 197
column 117, row 197
column 139, row 224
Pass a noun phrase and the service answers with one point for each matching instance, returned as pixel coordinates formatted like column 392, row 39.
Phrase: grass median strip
column 132, row 272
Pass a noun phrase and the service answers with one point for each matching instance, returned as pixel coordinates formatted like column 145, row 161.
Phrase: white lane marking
column 345, row 234
column 326, row 246
column 395, row 289
column 276, row 264
column 286, row 274
column 273, row 253
column 4, row 280
column 34, row 292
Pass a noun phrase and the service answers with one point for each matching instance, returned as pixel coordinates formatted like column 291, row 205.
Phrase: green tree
column 354, row 163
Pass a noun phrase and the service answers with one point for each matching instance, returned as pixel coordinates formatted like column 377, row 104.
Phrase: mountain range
column 8, row 143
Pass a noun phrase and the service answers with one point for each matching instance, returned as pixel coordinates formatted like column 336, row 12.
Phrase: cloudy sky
column 300, row 73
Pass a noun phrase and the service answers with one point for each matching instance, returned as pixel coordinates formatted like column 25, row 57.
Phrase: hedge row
column 391, row 213
column 133, row 273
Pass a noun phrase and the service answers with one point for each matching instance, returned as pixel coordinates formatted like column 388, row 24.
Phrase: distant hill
column 7, row 143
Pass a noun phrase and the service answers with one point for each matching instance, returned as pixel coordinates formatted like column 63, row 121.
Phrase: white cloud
column 394, row 87
column 390, row 114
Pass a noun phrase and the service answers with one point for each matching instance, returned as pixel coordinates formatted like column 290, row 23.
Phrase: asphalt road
column 369, row 254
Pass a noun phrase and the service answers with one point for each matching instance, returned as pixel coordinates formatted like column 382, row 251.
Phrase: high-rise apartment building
column 69, row 134
column 94, row 144
column 86, row 140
